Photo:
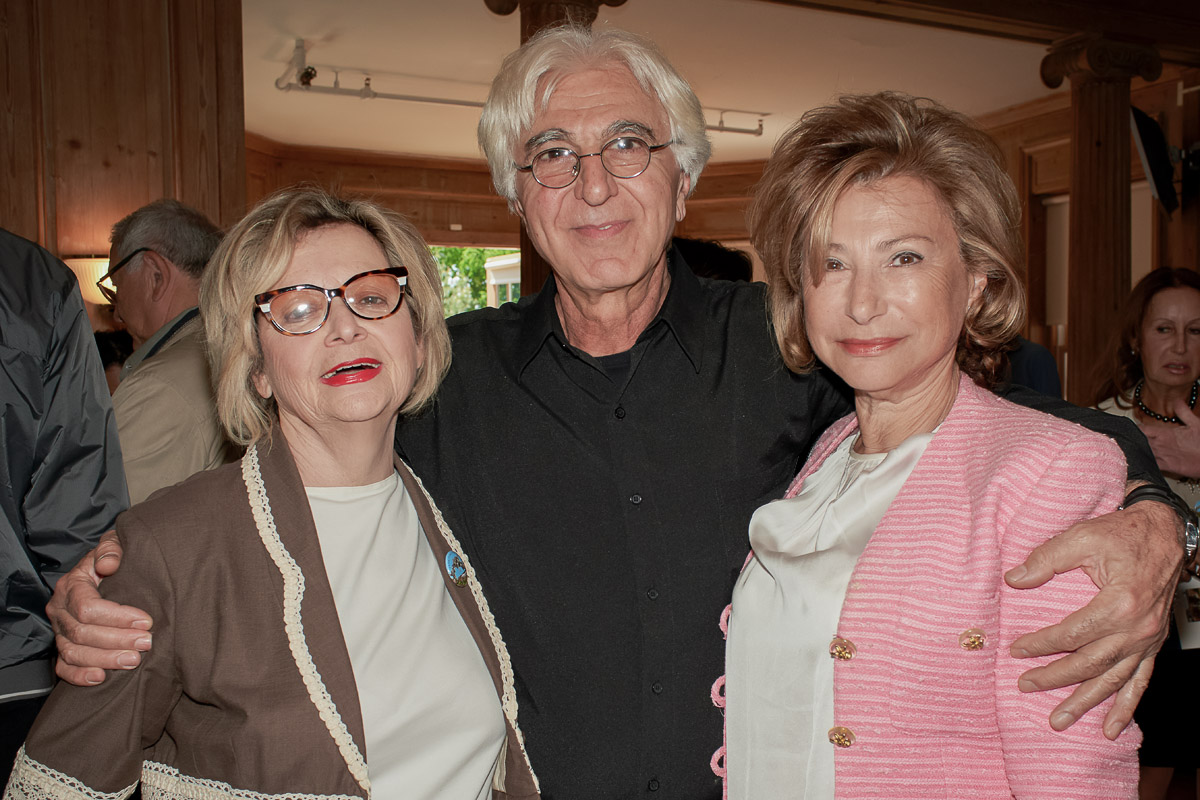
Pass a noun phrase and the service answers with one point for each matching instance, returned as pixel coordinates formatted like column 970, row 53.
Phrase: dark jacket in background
column 61, row 480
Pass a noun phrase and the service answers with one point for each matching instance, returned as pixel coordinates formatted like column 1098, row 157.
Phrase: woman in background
column 1153, row 370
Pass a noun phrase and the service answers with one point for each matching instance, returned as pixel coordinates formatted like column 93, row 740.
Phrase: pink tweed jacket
column 925, row 691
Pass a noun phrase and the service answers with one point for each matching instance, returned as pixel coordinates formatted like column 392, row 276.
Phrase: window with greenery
column 464, row 279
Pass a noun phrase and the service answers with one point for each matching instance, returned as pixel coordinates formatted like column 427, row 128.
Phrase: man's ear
column 685, row 188
column 160, row 275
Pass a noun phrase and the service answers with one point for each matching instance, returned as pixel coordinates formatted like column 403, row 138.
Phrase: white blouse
column 433, row 723
column 786, row 606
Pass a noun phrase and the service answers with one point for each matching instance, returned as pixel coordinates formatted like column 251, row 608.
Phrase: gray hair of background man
column 178, row 233
column 516, row 96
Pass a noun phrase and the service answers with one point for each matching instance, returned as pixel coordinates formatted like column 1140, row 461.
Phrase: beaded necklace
column 1137, row 397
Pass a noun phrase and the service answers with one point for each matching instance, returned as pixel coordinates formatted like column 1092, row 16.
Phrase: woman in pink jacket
column 868, row 645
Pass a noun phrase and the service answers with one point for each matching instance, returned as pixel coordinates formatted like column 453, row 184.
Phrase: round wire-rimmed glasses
column 623, row 157
column 298, row 310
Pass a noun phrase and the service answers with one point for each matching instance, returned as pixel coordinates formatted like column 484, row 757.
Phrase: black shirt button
column 636, row 499
column 652, row 785
column 619, row 413
column 652, row 593
column 656, row 687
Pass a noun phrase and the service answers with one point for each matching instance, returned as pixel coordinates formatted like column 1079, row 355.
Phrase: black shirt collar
column 682, row 312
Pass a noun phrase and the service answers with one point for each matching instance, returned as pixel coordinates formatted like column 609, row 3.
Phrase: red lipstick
column 348, row 372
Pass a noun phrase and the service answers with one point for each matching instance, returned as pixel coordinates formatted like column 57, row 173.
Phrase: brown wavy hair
column 862, row 139
column 1120, row 372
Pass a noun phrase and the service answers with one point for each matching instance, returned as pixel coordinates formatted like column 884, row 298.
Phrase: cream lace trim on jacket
column 160, row 782
column 32, row 780
column 508, row 699
column 293, row 594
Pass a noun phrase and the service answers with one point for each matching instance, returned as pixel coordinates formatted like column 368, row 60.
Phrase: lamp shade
column 88, row 270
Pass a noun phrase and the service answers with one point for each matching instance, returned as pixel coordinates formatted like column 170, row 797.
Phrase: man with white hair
column 599, row 447
column 166, row 414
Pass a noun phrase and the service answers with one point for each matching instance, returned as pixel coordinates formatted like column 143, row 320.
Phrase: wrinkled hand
column 94, row 634
column 1134, row 557
column 1177, row 448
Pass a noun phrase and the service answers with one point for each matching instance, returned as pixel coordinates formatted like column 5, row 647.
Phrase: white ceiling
column 737, row 54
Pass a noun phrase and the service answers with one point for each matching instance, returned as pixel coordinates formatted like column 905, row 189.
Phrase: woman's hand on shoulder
column 1176, row 448
column 1134, row 557
column 93, row 634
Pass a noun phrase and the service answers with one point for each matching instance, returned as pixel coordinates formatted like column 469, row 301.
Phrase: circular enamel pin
column 456, row 569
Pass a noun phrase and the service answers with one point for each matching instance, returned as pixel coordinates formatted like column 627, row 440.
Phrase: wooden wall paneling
column 208, row 119
column 720, row 219
column 1189, row 195
column 262, row 168
column 437, row 194
column 729, row 179
column 1050, row 167
column 1173, row 26
column 1034, row 138
column 231, row 111
column 479, row 223
column 717, row 209
column 106, row 119
column 48, row 232
column 109, row 104
column 22, row 200
column 1041, row 129
column 195, row 166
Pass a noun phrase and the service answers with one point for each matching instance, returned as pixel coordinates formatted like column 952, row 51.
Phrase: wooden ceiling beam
column 1171, row 26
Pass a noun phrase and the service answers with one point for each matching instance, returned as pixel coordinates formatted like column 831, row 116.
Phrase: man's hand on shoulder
column 1134, row 557
column 94, row 634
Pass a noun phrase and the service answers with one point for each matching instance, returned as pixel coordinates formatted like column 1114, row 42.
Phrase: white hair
column 553, row 53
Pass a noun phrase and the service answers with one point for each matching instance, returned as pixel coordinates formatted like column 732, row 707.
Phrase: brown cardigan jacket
column 248, row 691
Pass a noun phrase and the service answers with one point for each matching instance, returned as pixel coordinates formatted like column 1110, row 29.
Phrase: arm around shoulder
column 97, row 736
column 1138, row 455
column 1085, row 479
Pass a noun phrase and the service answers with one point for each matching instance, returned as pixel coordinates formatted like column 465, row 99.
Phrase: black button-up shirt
column 608, row 519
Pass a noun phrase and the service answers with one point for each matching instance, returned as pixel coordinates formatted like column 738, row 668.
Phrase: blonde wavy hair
column 252, row 258
column 862, row 139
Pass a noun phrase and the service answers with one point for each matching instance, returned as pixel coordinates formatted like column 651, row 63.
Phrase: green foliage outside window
column 464, row 279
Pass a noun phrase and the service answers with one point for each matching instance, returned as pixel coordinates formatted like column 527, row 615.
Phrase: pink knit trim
column 718, row 692
column 724, row 622
column 718, row 762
